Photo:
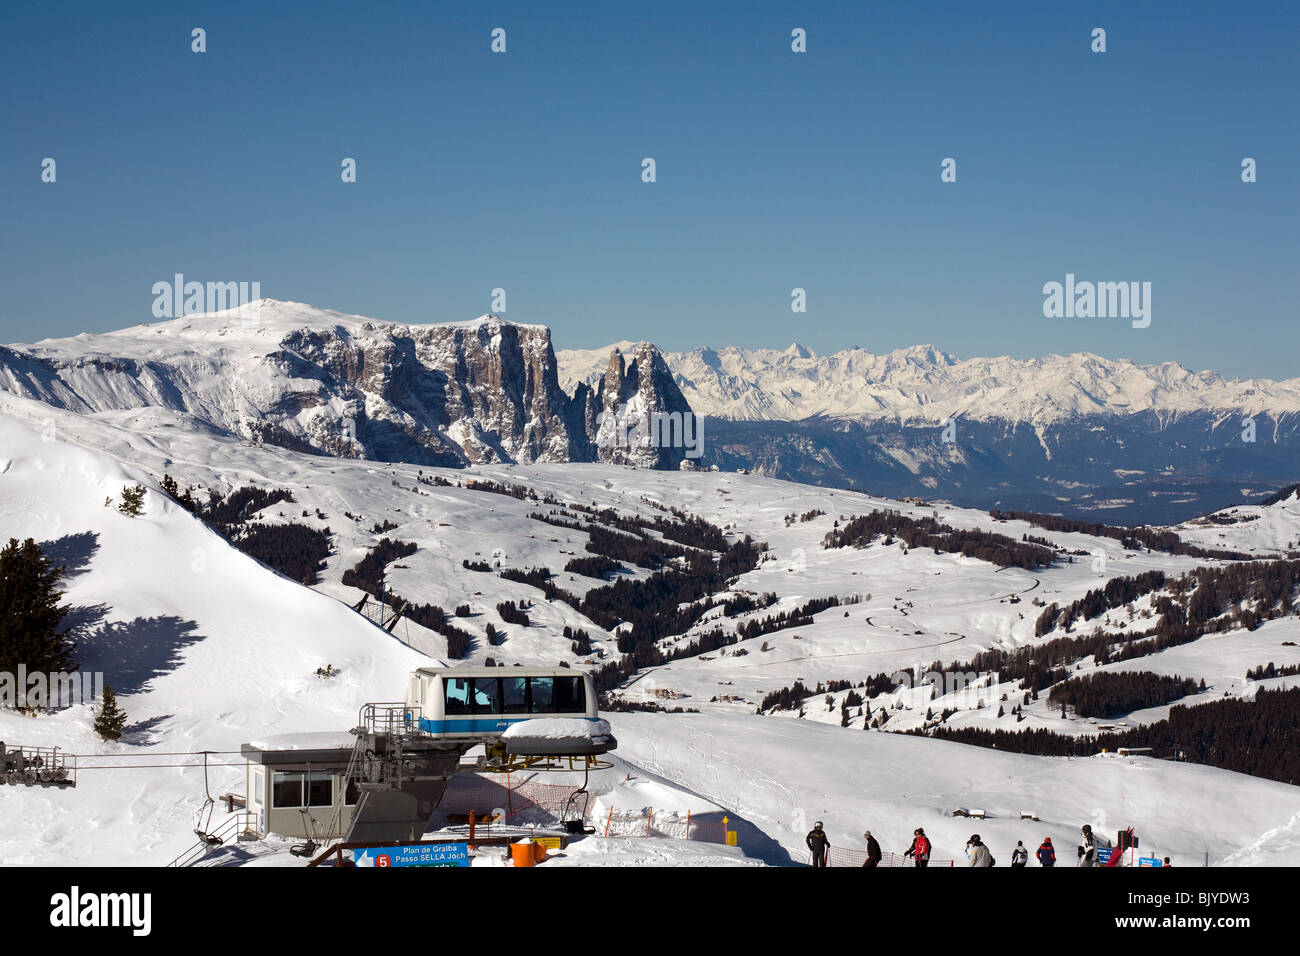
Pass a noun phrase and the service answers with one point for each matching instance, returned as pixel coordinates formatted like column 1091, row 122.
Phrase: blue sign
column 1103, row 854
column 432, row 854
column 1149, row 861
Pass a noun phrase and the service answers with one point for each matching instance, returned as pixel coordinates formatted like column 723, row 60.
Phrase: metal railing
column 389, row 718
column 240, row 824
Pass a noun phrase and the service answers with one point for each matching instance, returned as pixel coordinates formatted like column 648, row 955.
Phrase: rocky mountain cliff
column 318, row 381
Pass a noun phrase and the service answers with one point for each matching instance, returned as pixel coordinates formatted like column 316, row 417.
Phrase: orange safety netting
column 842, row 856
column 659, row 823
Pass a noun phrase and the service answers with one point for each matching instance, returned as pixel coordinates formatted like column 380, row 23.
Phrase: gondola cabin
column 468, row 703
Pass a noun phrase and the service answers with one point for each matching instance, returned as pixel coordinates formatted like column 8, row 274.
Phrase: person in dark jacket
column 920, row 848
column 873, row 850
column 1046, row 853
column 818, row 844
column 1019, row 856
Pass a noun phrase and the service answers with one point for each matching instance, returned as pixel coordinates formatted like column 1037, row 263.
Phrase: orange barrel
column 525, row 854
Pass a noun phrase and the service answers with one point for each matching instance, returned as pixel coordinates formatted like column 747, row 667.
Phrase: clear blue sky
column 775, row 169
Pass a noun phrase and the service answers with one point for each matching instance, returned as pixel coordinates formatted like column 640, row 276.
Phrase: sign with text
column 433, row 854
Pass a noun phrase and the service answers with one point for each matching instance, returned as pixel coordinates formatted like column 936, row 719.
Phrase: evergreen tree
column 30, row 611
column 132, row 501
column 184, row 499
column 111, row 718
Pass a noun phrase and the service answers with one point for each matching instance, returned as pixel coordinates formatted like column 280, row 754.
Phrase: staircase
column 240, row 826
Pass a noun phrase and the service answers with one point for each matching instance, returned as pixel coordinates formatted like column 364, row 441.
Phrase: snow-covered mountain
column 288, row 374
column 925, row 384
column 1077, row 433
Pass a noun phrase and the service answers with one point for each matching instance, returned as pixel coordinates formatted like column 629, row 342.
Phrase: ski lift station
column 382, row 780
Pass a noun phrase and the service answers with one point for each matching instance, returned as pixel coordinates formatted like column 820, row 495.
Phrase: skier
column 1046, row 853
column 818, row 844
column 873, row 850
column 977, row 853
column 1019, row 856
column 1088, row 848
column 920, row 848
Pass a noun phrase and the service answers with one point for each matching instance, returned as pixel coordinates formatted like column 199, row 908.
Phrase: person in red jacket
column 1046, row 853
column 920, row 848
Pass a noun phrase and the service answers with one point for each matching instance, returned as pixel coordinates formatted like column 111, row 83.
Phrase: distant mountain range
column 923, row 384
column 1078, row 434
column 1074, row 434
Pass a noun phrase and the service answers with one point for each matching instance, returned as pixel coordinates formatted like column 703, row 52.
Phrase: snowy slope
column 958, row 606
column 207, row 647
column 915, row 608
column 1268, row 529
column 785, row 775
column 262, row 636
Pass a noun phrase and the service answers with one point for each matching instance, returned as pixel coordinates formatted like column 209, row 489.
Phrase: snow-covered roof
column 305, row 741
column 557, row 728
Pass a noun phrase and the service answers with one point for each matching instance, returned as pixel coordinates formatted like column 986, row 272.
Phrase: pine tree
column 132, row 501
column 111, row 719
column 30, row 612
